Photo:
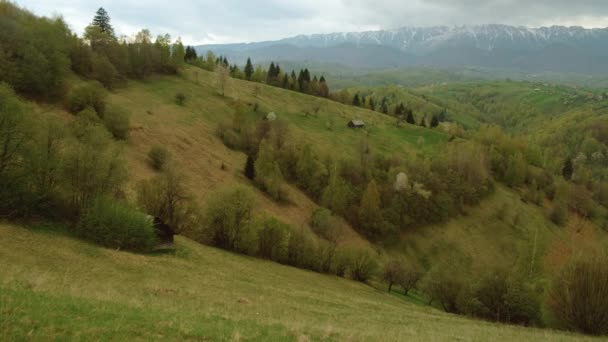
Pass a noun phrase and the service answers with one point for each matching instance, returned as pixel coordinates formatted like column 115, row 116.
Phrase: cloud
column 212, row 21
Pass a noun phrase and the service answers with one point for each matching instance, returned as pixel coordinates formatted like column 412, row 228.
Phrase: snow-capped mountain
column 555, row 48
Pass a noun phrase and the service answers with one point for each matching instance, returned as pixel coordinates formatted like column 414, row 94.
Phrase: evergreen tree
column 102, row 20
column 271, row 73
column 372, row 104
column 399, row 109
column 410, row 117
column 285, row 83
column 323, row 87
column 336, row 194
column 250, row 167
column 356, row 100
column 294, row 80
column 248, row 69
column 568, row 169
column 434, row 122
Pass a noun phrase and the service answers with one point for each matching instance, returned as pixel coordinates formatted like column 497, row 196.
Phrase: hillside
column 79, row 291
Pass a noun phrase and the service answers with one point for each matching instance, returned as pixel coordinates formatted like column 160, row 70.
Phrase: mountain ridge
column 493, row 45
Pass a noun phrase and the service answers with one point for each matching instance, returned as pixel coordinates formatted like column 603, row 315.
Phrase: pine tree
column 434, row 122
column 250, row 167
column 323, row 87
column 568, row 169
column 270, row 74
column 399, row 109
column 356, row 101
column 248, row 69
column 410, row 117
column 285, row 83
column 102, row 20
column 372, row 104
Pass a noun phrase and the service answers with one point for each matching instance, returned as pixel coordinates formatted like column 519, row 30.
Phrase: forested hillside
column 487, row 200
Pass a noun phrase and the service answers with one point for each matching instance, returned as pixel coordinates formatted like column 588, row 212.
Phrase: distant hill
column 556, row 48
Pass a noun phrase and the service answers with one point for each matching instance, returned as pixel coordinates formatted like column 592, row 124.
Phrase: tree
column 392, row 273
column 178, row 54
column 228, row 220
column 363, row 266
column 102, row 20
column 14, row 128
column 268, row 173
column 578, row 296
column 568, row 169
column 336, row 195
column 515, row 175
column 370, row 215
column 323, row 87
column 434, row 122
column 410, row 117
column 410, row 276
column 248, row 69
column 356, row 100
column 223, row 78
column 249, row 167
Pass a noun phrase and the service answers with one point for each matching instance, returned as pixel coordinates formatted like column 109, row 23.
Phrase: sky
column 234, row 21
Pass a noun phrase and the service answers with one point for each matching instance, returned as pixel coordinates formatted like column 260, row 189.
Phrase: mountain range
column 555, row 48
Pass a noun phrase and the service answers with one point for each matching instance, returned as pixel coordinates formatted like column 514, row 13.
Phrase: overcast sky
column 231, row 21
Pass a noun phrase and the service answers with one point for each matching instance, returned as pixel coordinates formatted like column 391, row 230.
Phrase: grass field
column 53, row 287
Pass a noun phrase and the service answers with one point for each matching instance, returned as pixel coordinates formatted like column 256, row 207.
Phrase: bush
column 89, row 95
column 158, row 157
column 301, row 251
column 503, row 297
column 180, row 99
column 362, row 266
column 558, row 214
column 343, row 260
column 578, row 298
column 273, row 238
column 392, row 272
column 117, row 121
column 115, row 224
column 228, row 220
column 445, row 284
column 410, row 276
column 166, row 196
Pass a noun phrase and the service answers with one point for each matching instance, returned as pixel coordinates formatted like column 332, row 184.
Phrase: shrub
column 392, row 272
column 117, row 121
column 166, row 196
column 410, row 276
column 180, row 99
column 89, row 95
column 503, row 297
column 115, row 224
column 228, row 220
column 273, row 238
column 578, row 298
column 558, row 214
column 444, row 284
column 343, row 260
column 362, row 266
column 158, row 157
column 301, row 250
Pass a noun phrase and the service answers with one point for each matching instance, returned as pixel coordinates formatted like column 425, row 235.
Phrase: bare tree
column 223, row 78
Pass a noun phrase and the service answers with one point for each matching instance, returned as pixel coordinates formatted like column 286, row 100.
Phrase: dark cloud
column 212, row 21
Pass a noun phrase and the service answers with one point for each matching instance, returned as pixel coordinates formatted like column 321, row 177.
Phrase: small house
column 356, row 124
column 271, row 116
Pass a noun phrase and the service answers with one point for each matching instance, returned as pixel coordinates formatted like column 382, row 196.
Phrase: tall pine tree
column 102, row 20
column 248, row 69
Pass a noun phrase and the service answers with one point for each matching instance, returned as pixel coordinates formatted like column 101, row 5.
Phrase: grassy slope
column 79, row 291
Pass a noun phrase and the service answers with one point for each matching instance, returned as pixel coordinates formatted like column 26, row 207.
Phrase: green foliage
column 115, row 224
column 273, row 238
column 393, row 271
column 92, row 166
column 158, row 156
column 336, row 195
column 370, row 215
column 165, row 196
column 14, row 129
column 180, row 99
column 445, row 283
column 502, row 297
column 558, row 213
column 88, row 95
column 268, row 173
column 301, row 250
column 33, row 52
column 117, row 120
column 363, row 265
column 228, row 219
column 578, row 296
